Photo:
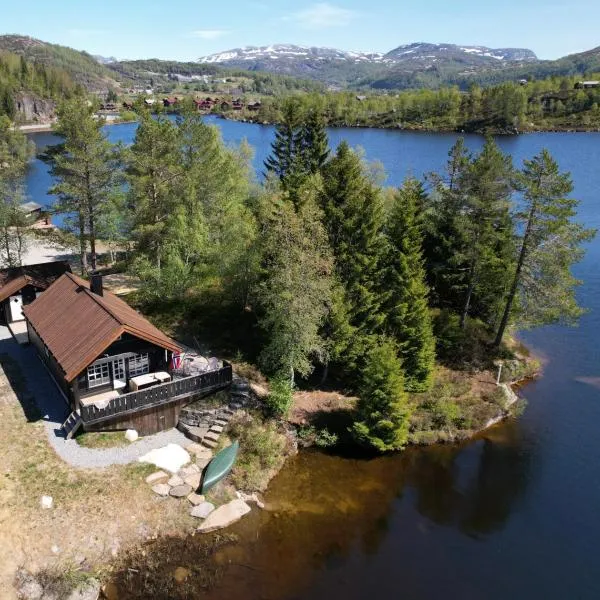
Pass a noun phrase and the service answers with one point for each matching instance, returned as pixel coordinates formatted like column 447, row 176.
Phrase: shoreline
column 48, row 127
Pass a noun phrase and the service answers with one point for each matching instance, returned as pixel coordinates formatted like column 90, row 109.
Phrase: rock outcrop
column 31, row 108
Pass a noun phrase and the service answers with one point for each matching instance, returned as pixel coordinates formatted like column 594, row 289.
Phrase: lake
column 514, row 513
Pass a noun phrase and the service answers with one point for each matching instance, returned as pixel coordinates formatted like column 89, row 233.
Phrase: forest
column 315, row 272
column 19, row 74
column 552, row 103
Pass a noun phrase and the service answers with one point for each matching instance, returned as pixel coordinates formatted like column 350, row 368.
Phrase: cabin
column 20, row 286
column 225, row 105
column 237, row 104
column 584, row 85
column 203, row 104
column 148, row 101
column 32, row 210
column 254, row 106
column 113, row 367
column 128, row 105
column 167, row 102
column 361, row 98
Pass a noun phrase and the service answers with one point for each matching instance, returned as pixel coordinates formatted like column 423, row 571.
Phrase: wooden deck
column 161, row 401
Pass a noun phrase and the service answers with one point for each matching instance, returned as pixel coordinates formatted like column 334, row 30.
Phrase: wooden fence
column 159, row 394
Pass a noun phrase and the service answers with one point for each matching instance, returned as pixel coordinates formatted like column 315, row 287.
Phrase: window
column 98, row 375
column 139, row 365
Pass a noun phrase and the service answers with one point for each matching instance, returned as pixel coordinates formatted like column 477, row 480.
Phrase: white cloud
column 209, row 34
column 322, row 16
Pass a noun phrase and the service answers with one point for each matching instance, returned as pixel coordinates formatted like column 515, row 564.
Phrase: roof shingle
column 77, row 325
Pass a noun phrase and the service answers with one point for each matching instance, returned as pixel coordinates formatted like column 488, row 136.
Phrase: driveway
column 40, row 387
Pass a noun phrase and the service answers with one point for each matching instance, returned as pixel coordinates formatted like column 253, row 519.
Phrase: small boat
column 219, row 466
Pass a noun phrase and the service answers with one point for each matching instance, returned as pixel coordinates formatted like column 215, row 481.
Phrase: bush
column 280, row 397
column 323, row 438
column 262, row 452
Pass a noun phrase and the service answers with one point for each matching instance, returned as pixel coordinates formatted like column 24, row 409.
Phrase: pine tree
column 382, row 410
column 87, row 171
column 542, row 290
column 154, row 173
column 15, row 151
column 408, row 318
column 354, row 218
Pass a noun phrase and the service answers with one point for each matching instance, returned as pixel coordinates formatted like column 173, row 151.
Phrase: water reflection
column 325, row 513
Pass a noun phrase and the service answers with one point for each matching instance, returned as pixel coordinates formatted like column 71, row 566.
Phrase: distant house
column 128, row 105
column 206, row 104
column 254, row 106
column 361, row 98
column 587, row 84
column 20, row 286
column 108, row 106
column 33, row 210
column 113, row 367
column 523, row 82
column 237, row 104
column 149, row 101
column 225, row 105
column 167, row 102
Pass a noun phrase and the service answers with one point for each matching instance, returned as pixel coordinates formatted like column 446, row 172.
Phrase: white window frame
column 139, row 365
column 98, row 375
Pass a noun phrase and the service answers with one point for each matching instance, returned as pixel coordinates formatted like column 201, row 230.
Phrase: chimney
column 96, row 284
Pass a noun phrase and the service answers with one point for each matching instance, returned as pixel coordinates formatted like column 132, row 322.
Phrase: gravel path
column 54, row 411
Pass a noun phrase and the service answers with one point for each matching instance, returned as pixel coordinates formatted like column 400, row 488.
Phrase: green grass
column 102, row 439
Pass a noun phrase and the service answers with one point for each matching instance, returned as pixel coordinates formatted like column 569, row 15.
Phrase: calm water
column 513, row 514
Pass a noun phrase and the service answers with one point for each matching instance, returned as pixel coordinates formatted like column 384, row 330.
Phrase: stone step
column 216, row 429
column 193, row 433
column 221, row 422
column 209, row 443
column 211, row 435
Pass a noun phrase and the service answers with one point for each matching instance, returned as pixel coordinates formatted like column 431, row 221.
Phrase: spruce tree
column 542, row 290
column 314, row 144
column 354, row 218
column 382, row 411
column 487, row 231
column 408, row 318
column 286, row 150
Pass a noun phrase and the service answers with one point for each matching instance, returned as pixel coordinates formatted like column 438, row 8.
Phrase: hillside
column 402, row 65
column 80, row 66
column 167, row 76
column 29, row 89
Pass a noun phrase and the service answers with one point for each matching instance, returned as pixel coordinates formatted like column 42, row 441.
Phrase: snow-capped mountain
column 288, row 52
column 423, row 51
column 338, row 68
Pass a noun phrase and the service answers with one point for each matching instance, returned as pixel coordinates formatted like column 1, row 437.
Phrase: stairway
column 204, row 425
column 72, row 424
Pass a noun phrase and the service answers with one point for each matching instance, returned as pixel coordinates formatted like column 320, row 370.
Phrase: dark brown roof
column 42, row 276
column 77, row 325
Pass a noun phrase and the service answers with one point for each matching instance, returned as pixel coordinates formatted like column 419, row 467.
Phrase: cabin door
column 119, row 375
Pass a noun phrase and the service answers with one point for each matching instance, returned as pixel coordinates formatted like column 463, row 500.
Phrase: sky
column 187, row 30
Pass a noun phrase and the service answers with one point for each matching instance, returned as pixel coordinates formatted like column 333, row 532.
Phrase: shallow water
column 514, row 513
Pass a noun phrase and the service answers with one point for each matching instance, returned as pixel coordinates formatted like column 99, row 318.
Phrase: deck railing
column 160, row 394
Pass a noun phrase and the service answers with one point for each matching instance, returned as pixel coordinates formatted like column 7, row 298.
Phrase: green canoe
column 219, row 466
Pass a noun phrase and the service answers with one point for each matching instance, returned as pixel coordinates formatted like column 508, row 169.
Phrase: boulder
column 46, row 502
column 157, row 477
column 189, row 470
column 195, row 499
column 131, row 435
column 170, row 457
column 162, row 489
column 175, row 480
column 180, row 491
column 202, row 510
column 224, row 516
